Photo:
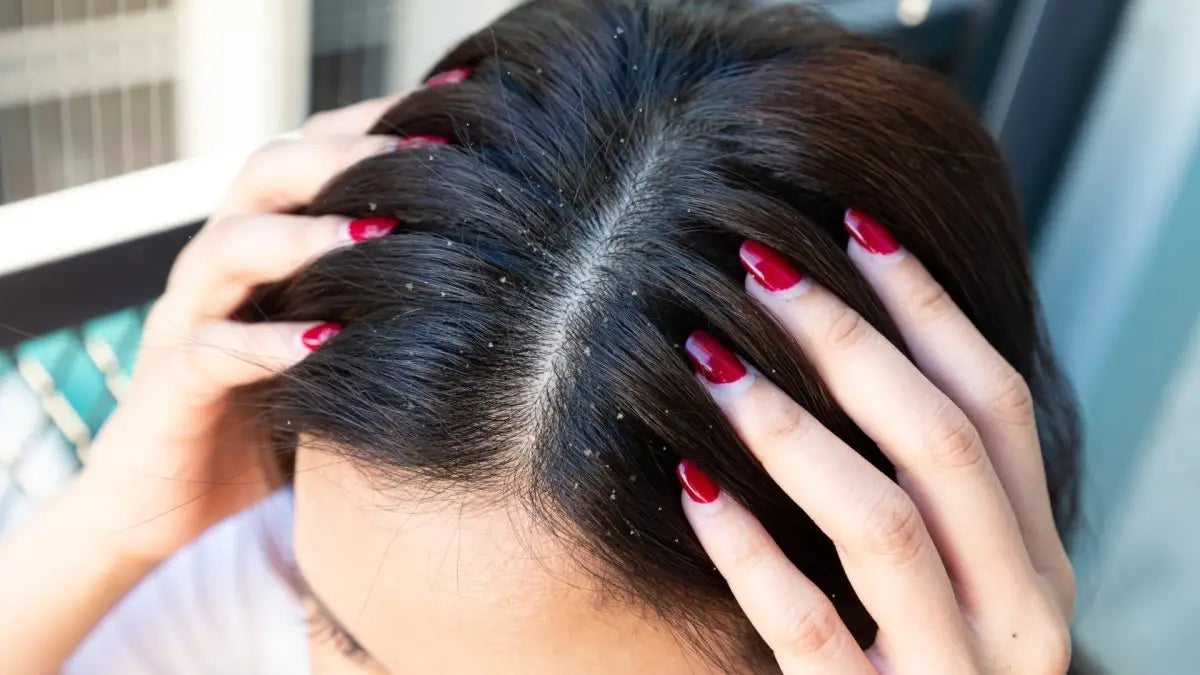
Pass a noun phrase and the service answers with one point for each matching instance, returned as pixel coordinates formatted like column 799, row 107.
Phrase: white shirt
column 219, row 606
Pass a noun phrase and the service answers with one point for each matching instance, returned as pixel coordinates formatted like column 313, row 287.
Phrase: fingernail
column 452, row 76
column 715, row 362
column 698, row 486
column 319, row 334
column 869, row 233
column 768, row 267
column 362, row 229
column 420, row 141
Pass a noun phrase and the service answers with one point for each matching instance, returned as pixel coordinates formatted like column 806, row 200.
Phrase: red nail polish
column 420, row 141
column 714, row 360
column 319, row 334
column 362, row 229
column 698, row 486
column 869, row 233
column 768, row 267
column 452, row 76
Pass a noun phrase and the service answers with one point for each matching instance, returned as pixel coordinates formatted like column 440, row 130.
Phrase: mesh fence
column 55, row 393
column 56, row 390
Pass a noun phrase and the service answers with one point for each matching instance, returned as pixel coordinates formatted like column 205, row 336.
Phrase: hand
column 176, row 456
column 960, row 563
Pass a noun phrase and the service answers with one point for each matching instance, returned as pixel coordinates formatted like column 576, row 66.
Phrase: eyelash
column 320, row 627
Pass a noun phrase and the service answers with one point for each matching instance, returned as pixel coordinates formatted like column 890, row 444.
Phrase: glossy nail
column 420, row 141
column 314, row 337
column 452, row 76
column 768, row 267
column 698, row 486
column 869, row 233
column 362, row 229
column 712, row 359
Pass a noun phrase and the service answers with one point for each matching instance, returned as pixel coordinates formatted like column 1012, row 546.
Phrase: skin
column 959, row 563
column 413, row 577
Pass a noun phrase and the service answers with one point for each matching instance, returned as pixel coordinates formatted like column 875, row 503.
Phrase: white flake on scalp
column 602, row 246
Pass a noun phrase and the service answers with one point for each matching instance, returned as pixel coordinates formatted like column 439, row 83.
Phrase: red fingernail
column 362, row 229
column 768, row 267
column 420, row 141
column 452, row 76
column 869, row 233
column 319, row 334
column 698, row 486
column 714, row 361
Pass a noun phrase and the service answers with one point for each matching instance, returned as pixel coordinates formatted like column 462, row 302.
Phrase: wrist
column 106, row 517
column 64, row 570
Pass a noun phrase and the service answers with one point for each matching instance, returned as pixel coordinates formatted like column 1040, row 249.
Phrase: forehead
column 427, row 582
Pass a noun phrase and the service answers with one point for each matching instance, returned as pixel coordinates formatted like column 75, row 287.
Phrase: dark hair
column 520, row 331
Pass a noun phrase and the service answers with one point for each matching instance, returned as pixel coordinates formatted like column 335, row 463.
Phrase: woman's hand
column 960, row 563
column 177, row 456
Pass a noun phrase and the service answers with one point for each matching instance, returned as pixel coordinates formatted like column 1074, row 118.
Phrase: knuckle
column 315, row 123
column 807, row 629
column 749, row 554
column 1058, row 651
column 263, row 158
column 189, row 361
column 952, row 441
column 893, row 528
column 201, row 360
column 218, row 235
column 162, row 319
column 1049, row 642
column 364, row 147
column 188, row 259
column 1011, row 398
column 1065, row 585
column 788, row 426
column 931, row 302
column 847, row 329
column 219, row 246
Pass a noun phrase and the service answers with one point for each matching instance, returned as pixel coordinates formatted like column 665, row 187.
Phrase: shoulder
column 223, row 604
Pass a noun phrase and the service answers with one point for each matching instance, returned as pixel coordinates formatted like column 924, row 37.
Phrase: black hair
column 520, row 333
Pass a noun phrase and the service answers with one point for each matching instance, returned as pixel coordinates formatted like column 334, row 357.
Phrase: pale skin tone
column 960, row 563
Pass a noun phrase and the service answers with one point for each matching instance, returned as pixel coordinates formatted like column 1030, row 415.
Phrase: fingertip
column 870, row 242
column 358, row 230
column 697, row 484
column 370, row 146
column 317, row 335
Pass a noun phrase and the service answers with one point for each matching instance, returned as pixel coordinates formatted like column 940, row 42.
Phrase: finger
column 352, row 119
column 961, row 362
column 793, row 616
column 220, row 267
column 288, row 173
column 885, row 548
column 221, row 355
column 937, row 452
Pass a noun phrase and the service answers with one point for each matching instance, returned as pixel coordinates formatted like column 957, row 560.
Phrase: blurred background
column 121, row 121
